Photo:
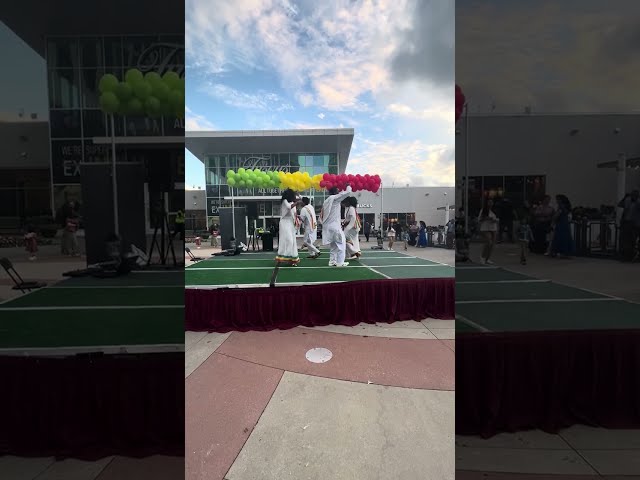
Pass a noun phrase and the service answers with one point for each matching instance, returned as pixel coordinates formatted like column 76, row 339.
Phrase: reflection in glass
column 62, row 53
column 64, row 89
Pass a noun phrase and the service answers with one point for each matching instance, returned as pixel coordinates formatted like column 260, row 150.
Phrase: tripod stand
column 165, row 243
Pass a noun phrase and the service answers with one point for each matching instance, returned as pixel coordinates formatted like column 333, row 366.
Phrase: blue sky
column 384, row 68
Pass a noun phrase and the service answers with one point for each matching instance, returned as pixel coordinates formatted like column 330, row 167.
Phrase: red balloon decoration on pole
column 460, row 101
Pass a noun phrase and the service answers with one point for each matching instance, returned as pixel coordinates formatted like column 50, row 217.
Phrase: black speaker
column 160, row 172
column 252, row 209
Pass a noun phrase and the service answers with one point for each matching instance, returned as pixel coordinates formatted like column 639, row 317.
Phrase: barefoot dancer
column 308, row 219
column 352, row 228
column 332, row 233
column 287, row 247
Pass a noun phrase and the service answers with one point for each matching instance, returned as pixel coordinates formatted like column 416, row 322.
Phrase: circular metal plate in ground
column 319, row 355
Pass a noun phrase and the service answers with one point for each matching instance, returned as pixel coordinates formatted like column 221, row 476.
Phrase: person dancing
column 287, row 246
column 308, row 219
column 332, row 233
column 352, row 228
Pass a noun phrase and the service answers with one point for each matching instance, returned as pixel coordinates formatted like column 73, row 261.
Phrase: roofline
column 267, row 133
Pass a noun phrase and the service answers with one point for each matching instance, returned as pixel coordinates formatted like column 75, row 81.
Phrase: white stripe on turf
column 541, row 300
column 323, row 267
column 504, row 281
column 464, row 319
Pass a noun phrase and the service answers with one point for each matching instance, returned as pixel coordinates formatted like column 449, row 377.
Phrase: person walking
column 488, row 227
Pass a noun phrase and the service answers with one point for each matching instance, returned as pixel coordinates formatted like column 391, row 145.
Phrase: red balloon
column 328, row 185
column 322, row 183
column 460, row 101
column 326, row 176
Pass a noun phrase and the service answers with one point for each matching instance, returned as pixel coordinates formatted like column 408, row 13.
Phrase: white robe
column 351, row 231
column 330, row 217
column 287, row 246
column 308, row 217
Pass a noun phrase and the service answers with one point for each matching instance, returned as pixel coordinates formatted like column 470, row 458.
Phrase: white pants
column 309, row 240
column 338, row 247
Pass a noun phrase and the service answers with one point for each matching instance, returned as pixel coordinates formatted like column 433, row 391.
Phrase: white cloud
column 336, row 54
column 253, row 101
column 414, row 162
column 194, row 122
column 321, row 116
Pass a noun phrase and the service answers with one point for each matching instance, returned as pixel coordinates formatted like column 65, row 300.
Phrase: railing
column 595, row 238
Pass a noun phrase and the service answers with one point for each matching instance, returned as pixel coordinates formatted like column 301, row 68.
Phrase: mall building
column 591, row 158
column 312, row 151
column 78, row 52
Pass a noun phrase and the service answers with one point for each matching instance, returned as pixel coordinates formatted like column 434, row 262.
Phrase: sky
column 23, row 84
column 574, row 56
column 384, row 68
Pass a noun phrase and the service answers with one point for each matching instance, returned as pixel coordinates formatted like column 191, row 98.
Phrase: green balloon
column 153, row 78
column 142, row 90
column 135, row 107
column 241, row 171
column 109, row 102
column 249, row 183
column 242, row 183
column 166, row 109
column 231, row 181
column 161, row 92
column 124, row 91
column 152, row 106
column 172, row 80
column 133, row 76
column 175, row 98
column 108, row 83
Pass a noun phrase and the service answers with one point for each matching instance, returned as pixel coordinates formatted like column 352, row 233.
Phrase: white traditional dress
column 332, row 233
column 308, row 219
column 287, row 247
column 351, row 232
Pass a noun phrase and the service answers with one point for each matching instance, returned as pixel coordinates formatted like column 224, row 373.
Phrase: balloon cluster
column 253, row 178
column 249, row 178
column 460, row 100
column 149, row 94
column 358, row 182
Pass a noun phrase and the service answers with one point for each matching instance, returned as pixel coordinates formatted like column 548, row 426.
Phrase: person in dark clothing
column 367, row 230
column 506, row 217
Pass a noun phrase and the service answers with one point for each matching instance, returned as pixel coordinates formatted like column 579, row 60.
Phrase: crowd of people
column 543, row 228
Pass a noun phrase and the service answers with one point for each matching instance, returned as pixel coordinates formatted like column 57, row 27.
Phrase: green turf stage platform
column 233, row 293
column 532, row 353
column 94, row 362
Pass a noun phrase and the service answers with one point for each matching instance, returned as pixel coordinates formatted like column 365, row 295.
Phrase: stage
column 233, row 294
column 531, row 354
column 90, row 369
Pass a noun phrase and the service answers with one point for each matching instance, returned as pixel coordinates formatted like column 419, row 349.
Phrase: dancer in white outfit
column 308, row 220
column 352, row 228
column 332, row 233
column 287, row 246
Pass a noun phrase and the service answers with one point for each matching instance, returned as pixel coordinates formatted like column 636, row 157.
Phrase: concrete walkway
column 579, row 452
column 382, row 407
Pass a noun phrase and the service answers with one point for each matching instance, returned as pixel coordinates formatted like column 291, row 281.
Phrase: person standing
column 332, row 233
column 179, row 225
column 488, row 223
column 352, row 228
column 562, row 243
column 308, row 220
column 287, row 246
column 543, row 216
column 70, row 236
column 628, row 227
column 367, row 230
column 391, row 235
column 525, row 236
column 422, row 235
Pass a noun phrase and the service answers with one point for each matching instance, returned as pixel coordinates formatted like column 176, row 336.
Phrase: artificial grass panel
column 520, row 291
column 81, row 297
column 487, row 275
column 381, row 262
column 78, row 328
column 540, row 316
column 285, row 275
column 462, row 327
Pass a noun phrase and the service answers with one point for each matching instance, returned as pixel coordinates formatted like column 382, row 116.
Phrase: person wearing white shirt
column 352, row 228
column 488, row 225
column 308, row 220
column 332, row 233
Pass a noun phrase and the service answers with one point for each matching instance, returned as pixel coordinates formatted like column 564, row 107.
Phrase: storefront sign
column 365, row 205
column 213, row 206
column 66, row 156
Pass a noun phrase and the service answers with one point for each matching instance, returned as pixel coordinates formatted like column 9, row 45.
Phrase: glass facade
column 264, row 212
column 519, row 189
column 74, row 68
